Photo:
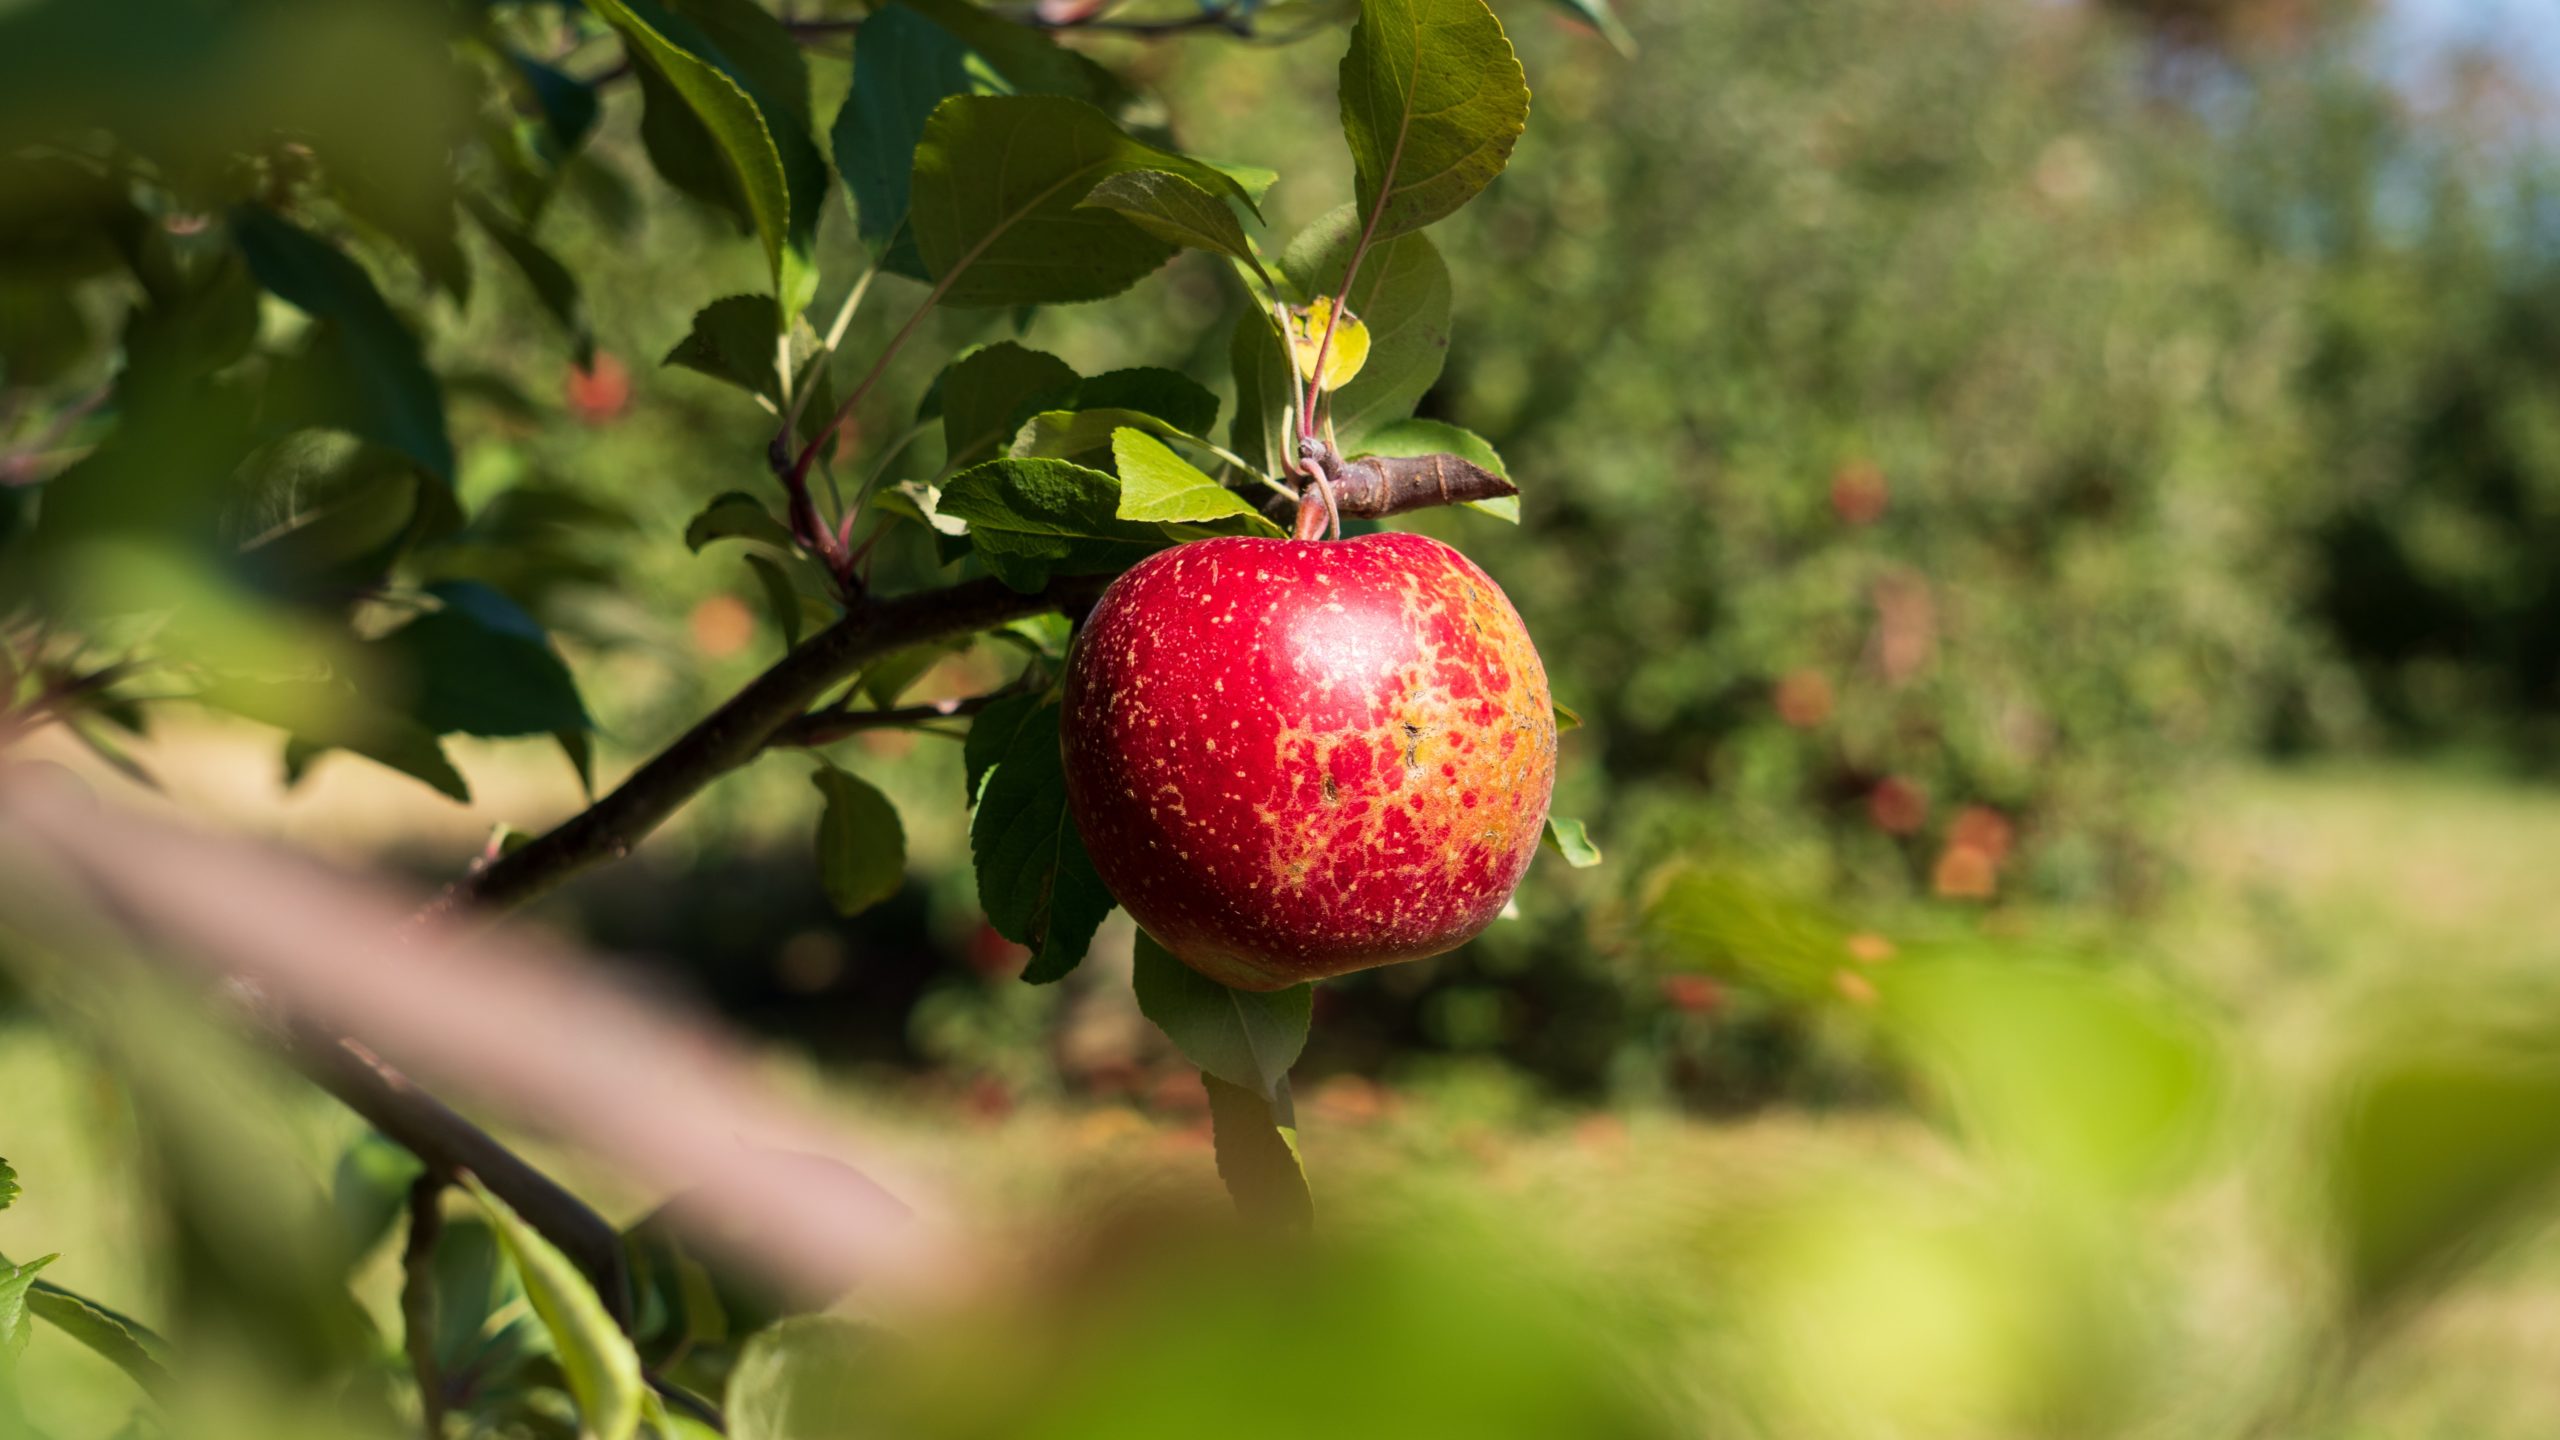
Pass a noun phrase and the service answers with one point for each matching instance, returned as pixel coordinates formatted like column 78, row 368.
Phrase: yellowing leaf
column 1343, row 358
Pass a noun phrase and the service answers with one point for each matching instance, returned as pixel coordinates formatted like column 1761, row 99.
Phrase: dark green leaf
column 481, row 666
column 1158, row 485
column 733, row 339
column 780, row 599
column 862, row 849
column 803, row 1379
column 1569, row 839
column 995, row 190
column 1257, row 1150
column 987, row 393
column 1432, row 102
column 1031, row 519
column 1265, row 388
column 903, row 66
column 568, row 106
column 1035, row 880
column 1402, row 295
column 1245, row 1038
column 1434, row 437
column 1177, row 212
column 736, row 515
column 376, row 383
column 1168, row 395
column 888, row 677
column 721, row 108
column 553, row 285
column 603, row 1370
column 9, row 1191
column 580, row 750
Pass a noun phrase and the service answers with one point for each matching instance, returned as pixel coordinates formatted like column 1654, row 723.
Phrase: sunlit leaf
column 1570, row 840
column 602, row 1369
column 1158, row 485
column 1432, row 102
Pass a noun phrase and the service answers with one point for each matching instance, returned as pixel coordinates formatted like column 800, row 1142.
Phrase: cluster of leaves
column 26, row 1298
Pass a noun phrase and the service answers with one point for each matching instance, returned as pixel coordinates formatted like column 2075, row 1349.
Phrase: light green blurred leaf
column 15, row 1318
column 1246, row 1038
column 803, row 1379
column 122, row 1341
column 603, row 1370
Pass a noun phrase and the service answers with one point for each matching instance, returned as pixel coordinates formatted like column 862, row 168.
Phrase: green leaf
column 889, row 677
column 736, row 515
column 737, row 128
column 1402, row 295
column 1432, row 437
column 801, row 1379
column 1035, row 880
column 124, row 1342
column 1257, row 1152
column 903, row 66
column 482, row 1327
column 987, row 393
column 1073, row 434
column 733, row 339
column 481, row 666
column 1602, row 16
column 568, row 106
column 1567, row 718
column 368, row 375
column 9, row 1191
column 1168, row 395
column 15, row 1319
column 1178, row 212
column 1432, row 102
column 553, row 285
column 1569, row 839
column 1030, row 62
column 1031, row 519
column 368, row 1189
column 323, row 717
column 602, row 1369
column 995, row 189
column 1245, row 1038
column 862, row 849
column 1265, row 388
column 780, row 599
column 1158, row 485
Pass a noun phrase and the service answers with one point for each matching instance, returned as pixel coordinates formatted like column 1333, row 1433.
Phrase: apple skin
column 1292, row 759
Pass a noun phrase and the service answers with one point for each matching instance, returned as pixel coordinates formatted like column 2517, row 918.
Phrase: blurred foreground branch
column 530, row 1027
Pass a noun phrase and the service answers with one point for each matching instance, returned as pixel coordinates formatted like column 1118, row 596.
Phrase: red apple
column 1295, row 758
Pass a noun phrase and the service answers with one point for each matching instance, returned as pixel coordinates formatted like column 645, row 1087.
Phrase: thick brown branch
column 732, row 735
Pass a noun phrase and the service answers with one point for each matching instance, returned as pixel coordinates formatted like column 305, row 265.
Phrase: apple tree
column 231, row 463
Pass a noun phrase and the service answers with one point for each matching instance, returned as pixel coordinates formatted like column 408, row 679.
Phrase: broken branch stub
column 1382, row 485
